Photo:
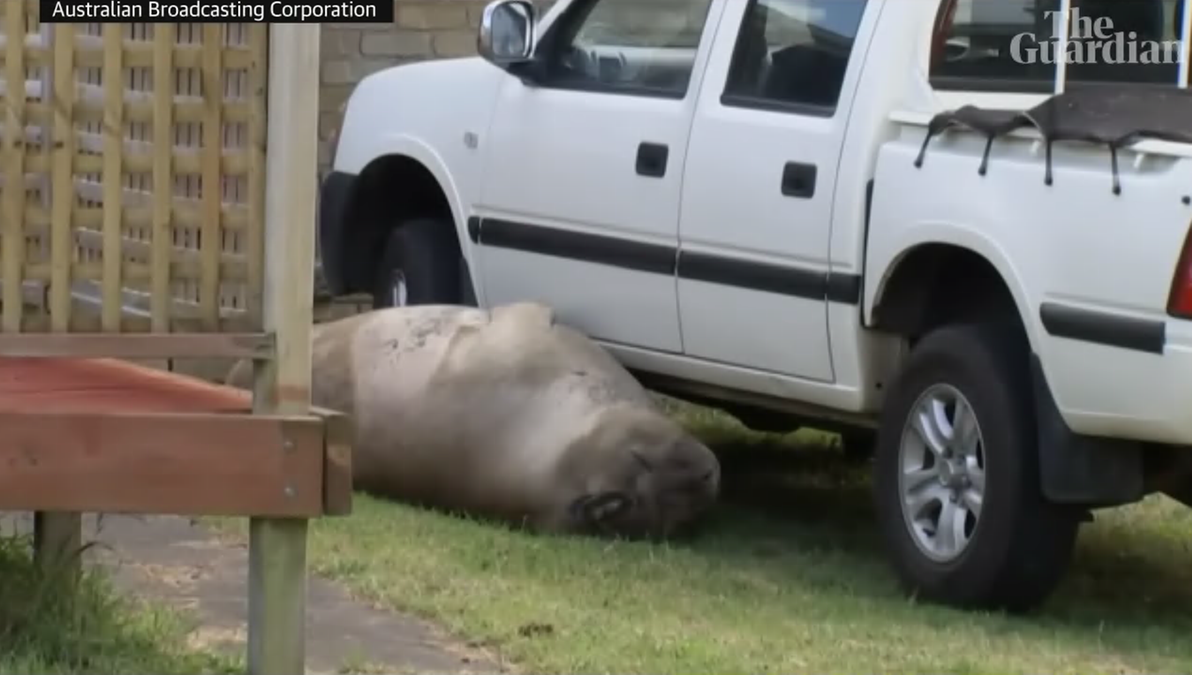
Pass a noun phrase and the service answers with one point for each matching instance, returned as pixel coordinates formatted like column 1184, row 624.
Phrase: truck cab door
column 584, row 164
column 758, row 189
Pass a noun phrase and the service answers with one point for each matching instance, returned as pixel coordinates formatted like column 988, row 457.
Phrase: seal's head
column 640, row 475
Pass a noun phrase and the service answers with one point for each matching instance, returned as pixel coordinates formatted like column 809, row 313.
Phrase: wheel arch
column 374, row 208
column 934, row 282
column 933, row 277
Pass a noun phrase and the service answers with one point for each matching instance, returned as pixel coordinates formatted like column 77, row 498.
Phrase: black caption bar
column 216, row 11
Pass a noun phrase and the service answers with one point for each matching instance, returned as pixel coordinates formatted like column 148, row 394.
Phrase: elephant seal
column 510, row 415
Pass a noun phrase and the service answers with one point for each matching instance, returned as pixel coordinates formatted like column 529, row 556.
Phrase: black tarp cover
column 1113, row 115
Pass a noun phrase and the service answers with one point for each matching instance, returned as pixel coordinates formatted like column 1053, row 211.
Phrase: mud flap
column 1084, row 470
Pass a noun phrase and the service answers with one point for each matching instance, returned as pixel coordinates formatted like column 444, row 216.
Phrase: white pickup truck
column 900, row 218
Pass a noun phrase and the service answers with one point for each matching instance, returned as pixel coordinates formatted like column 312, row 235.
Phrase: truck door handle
column 798, row 180
column 651, row 159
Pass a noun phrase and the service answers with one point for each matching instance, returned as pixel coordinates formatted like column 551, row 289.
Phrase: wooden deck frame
column 280, row 462
column 173, row 463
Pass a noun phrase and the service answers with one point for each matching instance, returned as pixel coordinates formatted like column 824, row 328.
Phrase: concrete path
column 173, row 560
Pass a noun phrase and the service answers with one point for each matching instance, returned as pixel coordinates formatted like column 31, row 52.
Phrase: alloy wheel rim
column 941, row 480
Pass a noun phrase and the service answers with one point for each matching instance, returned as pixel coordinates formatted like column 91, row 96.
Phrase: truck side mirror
column 507, row 32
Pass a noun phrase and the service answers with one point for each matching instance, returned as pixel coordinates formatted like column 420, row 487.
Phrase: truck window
column 644, row 47
column 793, row 54
column 1013, row 45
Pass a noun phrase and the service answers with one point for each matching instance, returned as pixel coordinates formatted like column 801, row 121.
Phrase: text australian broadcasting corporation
column 280, row 11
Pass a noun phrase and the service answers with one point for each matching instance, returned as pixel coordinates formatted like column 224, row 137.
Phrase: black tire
column 426, row 253
column 1022, row 544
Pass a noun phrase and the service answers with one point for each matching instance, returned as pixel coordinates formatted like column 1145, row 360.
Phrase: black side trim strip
column 474, row 229
column 793, row 281
column 1141, row 335
column 758, row 276
column 594, row 248
column 844, row 289
column 659, row 259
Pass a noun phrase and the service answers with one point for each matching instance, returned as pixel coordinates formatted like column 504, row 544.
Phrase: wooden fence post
column 277, row 548
column 58, row 536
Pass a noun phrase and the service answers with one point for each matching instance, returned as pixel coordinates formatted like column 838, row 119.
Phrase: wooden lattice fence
column 90, row 243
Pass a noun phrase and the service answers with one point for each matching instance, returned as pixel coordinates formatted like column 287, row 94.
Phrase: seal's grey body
column 510, row 415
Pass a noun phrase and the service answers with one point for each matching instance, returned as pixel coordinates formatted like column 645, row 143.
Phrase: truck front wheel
column 957, row 476
column 421, row 264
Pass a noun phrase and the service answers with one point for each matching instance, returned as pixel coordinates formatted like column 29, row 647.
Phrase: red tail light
column 1179, row 303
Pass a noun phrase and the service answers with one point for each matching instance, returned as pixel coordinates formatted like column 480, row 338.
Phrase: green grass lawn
column 788, row 577
column 48, row 628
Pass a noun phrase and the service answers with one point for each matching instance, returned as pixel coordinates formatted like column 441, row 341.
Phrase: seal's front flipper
column 593, row 512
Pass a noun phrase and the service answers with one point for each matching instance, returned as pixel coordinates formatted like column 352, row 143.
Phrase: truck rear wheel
column 957, row 476
column 421, row 264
